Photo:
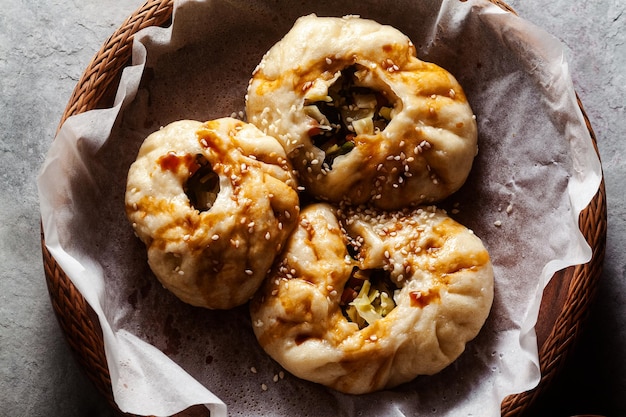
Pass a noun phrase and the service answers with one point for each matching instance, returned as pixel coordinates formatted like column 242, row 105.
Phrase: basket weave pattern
column 80, row 325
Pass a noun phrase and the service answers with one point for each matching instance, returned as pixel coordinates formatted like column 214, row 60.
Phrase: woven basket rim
column 80, row 325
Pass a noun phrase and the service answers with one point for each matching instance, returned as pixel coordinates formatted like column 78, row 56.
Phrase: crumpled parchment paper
column 536, row 170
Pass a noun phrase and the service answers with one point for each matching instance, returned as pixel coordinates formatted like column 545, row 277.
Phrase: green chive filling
column 347, row 111
column 203, row 185
column 367, row 296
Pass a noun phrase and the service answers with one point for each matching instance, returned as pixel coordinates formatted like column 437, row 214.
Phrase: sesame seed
column 253, row 370
column 497, row 223
column 215, row 237
column 249, row 272
column 268, row 236
column 275, row 379
column 264, row 387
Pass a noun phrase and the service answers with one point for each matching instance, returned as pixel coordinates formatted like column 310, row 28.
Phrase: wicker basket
column 563, row 311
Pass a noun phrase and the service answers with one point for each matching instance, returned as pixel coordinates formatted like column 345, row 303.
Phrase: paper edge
column 585, row 155
column 126, row 402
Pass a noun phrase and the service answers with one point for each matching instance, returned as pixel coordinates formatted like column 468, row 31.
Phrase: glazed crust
column 424, row 153
column 445, row 290
column 215, row 258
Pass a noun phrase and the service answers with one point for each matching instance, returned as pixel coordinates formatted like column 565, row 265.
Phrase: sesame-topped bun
column 366, row 300
column 214, row 203
column 362, row 119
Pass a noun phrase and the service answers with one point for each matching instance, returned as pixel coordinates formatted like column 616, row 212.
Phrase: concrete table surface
column 44, row 46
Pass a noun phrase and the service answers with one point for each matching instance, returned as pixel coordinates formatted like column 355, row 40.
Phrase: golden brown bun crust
column 219, row 257
column 423, row 155
column 445, row 281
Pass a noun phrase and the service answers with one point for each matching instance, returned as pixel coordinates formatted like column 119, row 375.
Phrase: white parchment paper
column 536, row 170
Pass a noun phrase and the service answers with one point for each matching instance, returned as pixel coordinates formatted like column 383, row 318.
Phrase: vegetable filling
column 347, row 110
column 367, row 296
column 203, row 185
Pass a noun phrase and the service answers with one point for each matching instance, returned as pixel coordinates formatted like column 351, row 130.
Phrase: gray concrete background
column 44, row 46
